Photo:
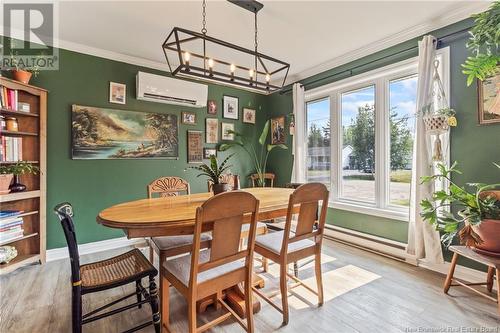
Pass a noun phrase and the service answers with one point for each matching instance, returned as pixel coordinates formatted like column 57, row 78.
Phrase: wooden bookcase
column 33, row 129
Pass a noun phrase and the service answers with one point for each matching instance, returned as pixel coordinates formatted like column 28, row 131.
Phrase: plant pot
column 17, row 186
column 220, row 188
column 5, row 181
column 21, row 76
column 489, row 231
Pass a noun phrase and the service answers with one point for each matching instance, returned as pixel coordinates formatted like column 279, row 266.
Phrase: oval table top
column 176, row 215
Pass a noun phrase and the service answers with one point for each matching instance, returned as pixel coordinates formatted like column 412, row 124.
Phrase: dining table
column 175, row 215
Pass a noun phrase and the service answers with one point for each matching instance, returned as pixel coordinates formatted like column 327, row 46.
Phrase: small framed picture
column 278, row 130
column 212, row 107
column 195, row 147
column 189, row 118
column 489, row 100
column 212, row 130
column 248, row 116
column 231, row 107
column 225, row 129
column 207, row 152
column 117, row 92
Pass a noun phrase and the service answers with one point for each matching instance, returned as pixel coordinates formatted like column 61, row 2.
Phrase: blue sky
column 402, row 98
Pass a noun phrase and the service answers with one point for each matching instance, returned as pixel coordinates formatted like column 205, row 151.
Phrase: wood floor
column 364, row 292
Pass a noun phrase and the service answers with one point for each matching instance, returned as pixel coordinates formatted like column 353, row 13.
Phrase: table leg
column 489, row 278
column 449, row 277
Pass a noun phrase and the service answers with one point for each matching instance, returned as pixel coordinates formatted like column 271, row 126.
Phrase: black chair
column 123, row 269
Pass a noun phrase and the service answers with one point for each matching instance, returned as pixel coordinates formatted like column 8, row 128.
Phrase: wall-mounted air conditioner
column 161, row 89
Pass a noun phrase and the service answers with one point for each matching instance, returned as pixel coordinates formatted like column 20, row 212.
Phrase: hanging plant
column 484, row 44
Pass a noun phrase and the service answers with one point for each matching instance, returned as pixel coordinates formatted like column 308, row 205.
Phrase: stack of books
column 11, row 225
column 9, row 98
column 11, row 149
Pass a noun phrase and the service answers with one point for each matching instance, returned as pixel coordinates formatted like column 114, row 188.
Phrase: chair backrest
column 308, row 198
column 168, row 187
column 267, row 176
column 224, row 215
column 227, row 178
column 65, row 213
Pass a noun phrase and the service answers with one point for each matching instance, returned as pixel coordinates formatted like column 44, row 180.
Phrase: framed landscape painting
column 489, row 100
column 226, row 129
column 99, row 133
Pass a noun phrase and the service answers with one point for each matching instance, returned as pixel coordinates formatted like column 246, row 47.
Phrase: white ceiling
column 310, row 35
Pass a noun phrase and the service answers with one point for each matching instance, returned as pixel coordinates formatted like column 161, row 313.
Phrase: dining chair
column 126, row 268
column 287, row 246
column 267, row 177
column 209, row 272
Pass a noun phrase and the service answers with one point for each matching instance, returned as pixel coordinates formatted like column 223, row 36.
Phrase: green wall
column 474, row 147
column 92, row 185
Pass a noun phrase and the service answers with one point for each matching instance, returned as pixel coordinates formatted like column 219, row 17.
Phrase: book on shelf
column 11, row 228
column 9, row 99
column 4, row 214
column 11, row 149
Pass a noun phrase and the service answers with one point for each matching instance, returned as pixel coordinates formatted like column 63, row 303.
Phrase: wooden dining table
column 175, row 215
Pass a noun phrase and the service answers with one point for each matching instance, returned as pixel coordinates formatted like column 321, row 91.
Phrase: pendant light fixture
column 192, row 54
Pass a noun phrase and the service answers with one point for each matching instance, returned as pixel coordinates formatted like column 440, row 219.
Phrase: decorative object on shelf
column 7, row 253
column 259, row 160
column 278, row 130
column 11, row 124
column 20, row 72
column 19, row 169
column 183, row 58
column 117, row 93
column 231, row 107
column 207, row 152
column 195, row 146
column 212, row 130
column 188, row 118
column 248, row 116
column 3, row 124
column 489, row 100
column 212, row 107
column 23, row 107
column 227, row 131
column 484, row 44
column 214, row 173
column 100, row 133
column 6, row 177
column 477, row 222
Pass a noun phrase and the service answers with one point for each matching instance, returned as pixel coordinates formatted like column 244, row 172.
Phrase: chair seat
column 122, row 269
column 273, row 241
column 180, row 268
column 260, row 227
column 171, row 242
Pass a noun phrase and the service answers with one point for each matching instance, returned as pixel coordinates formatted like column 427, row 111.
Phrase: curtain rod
column 440, row 43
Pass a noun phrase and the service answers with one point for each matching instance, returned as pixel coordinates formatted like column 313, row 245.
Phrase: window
column 360, row 134
column 318, row 141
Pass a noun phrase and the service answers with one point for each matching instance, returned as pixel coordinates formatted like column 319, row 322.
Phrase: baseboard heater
column 378, row 245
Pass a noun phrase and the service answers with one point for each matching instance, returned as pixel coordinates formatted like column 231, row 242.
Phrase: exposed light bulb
column 187, row 56
column 210, row 62
column 250, row 72
column 232, row 68
column 268, row 77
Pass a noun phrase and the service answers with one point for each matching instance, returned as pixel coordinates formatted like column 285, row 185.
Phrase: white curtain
column 423, row 240
column 298, row 169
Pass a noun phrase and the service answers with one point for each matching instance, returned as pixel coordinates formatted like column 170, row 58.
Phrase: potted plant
column 19, row 169
column 214, row 172
column 477, row 212
column 5, row 178
column 22, row 73
column 259, row 160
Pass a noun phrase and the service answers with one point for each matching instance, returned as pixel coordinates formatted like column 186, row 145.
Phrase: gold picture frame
column 489, row 100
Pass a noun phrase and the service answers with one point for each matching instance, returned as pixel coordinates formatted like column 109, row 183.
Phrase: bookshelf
column 31, row 247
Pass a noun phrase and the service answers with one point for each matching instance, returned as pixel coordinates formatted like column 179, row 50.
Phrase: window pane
column 402, row 103
column 358, row 149
column 318, row 141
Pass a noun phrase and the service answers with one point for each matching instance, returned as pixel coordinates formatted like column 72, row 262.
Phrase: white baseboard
column 88, row 248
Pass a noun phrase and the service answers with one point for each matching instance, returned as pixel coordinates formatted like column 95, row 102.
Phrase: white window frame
column 380, row 78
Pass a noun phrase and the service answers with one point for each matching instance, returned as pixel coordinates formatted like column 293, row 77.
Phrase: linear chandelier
column 189, row 53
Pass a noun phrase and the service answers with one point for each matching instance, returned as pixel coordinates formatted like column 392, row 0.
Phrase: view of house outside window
column 318, row 142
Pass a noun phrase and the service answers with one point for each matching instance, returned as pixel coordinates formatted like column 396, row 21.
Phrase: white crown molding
column 438, row 22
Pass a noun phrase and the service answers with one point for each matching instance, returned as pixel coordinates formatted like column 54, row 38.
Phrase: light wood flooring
column 364, row 292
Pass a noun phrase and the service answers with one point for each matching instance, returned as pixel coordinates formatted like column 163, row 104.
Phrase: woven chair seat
column 116, row 271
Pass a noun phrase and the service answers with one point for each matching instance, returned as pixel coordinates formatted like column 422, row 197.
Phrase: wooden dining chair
column 224, row 265
column 129, row 267
column 286, row 247
column 267, row 177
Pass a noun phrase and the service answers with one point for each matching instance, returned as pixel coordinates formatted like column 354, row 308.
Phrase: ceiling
column 307, row 34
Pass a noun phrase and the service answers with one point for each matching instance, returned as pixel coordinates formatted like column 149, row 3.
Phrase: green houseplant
column 477, row 211
column 484, row 44
column 214, row 172
column 15, row 171
column 259, row 159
